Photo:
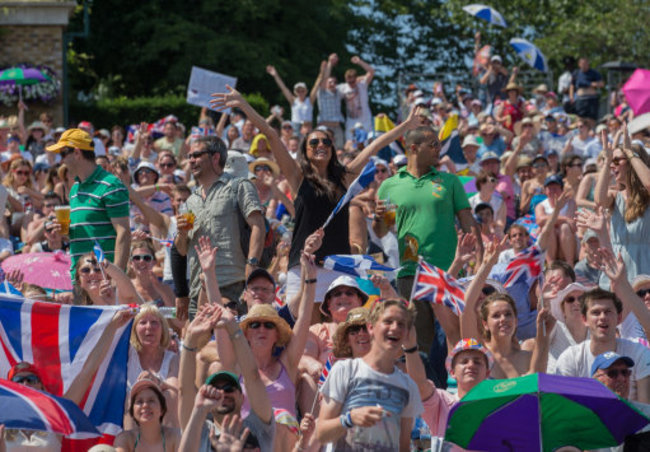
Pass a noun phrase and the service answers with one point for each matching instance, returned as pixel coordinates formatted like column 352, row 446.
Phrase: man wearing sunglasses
column 99, row 202
column 218, row 202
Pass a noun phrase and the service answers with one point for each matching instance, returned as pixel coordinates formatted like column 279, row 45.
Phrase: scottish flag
column 99, row 252
column 356, row 187
column 354, row 264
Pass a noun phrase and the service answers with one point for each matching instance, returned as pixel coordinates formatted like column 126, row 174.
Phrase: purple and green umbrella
column 22, row 76
column 541, row 412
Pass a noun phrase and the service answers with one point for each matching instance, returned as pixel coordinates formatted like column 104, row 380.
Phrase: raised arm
column 296, row 346
column 278, row 80
column 207, row 256
column 197, row 335
column 155, row 218
column 602, row 194
column 356, row 165
column 370, row 71
column 126, row 291
column 319, row 81
column 638, row 165
column 289, row 167
column 546, row 234
column 82, row 381
column 469, row 318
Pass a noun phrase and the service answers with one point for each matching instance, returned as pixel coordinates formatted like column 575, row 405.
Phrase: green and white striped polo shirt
column 93, row 203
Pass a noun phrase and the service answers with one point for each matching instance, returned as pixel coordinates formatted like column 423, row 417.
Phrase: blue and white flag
column 356, row 187
column 355, row 264
column 99, row 252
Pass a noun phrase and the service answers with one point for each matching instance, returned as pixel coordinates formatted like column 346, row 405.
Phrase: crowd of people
column 267, row 349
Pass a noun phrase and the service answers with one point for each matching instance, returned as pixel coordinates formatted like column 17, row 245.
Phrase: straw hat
column 275, row 169
column 266, row 313
column 519, row 125
column 356, row 316
column 513, row 85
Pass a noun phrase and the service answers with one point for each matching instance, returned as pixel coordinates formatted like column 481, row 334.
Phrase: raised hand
column 465, row 247
column 199, row 330
column 15, row 278
column 233, row 435
column 122, row 317
column 333, row 59
column 271, row 70
column 614, row 267
column 308, row 261
column 231, row 99
column 591, row 220
column 563, row 199
column 314, row 241
column 207, row 254
column 208, row 397
column 413, row 120
column 355, row 59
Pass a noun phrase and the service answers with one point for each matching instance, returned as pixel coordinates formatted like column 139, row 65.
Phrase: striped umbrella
column 487, row 13
column 21, row 77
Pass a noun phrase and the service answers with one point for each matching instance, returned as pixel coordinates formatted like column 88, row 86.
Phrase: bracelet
column 236, row 334
column 410, row 350
column 189, row 349
column 311, row 281
column 155, row 187
column 346, row 420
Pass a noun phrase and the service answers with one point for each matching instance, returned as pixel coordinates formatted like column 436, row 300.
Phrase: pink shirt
column 504, row 187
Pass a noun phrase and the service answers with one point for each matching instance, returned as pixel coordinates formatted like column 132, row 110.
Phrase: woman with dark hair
column 630, row 215
column 317, row 181
column 95, row 285
column 147, row 409
column 571, row 168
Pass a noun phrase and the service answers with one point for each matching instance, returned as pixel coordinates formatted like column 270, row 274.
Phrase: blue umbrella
column 487, row 13
column 529, row 53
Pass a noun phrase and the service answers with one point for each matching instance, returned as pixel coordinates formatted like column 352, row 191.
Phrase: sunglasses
column 618, row 160
column 381, row 170
column 65, row 151
column 142, row 257
column 22, row 173
column 267, row 325
column 356, row 329
column 642, row 293
column 196, row 155
column 262, row 168
column 570, row 299
column 227, row 388
column 492, row 179
column 488, row 290
column 314, row 142
column 576, row 165
column 167, row 165
column 287, row 127
column 539, row 165
column 614, row 373
column 231, row 305
column 31, row 379
column 348, row 292
column 87, row 270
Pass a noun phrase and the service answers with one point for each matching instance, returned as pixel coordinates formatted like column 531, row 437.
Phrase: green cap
column 223, row 375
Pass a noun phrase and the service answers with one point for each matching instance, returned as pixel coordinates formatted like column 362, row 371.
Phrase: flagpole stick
column 415, row 278
column 313, row 405
column 541, row 306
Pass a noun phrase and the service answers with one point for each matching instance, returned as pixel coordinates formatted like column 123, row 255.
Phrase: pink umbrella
column 637, row 91
column 48, row 270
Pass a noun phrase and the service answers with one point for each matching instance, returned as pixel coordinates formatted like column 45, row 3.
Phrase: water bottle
column 168, row 312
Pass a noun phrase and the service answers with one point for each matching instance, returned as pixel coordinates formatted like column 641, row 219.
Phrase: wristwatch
column 253, row 261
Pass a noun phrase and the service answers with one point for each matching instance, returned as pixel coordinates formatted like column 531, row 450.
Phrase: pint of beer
column 63, row 218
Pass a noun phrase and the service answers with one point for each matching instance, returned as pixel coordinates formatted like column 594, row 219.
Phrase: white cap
column 470, row 140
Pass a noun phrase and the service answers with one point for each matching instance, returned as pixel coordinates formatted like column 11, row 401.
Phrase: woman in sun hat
column 511, row 110
column 351, row 339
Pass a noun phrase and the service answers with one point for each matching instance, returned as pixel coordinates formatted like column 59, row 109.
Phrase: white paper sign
column 203, row 83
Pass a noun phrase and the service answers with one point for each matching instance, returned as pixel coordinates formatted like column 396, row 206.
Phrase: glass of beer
column 389, row 215
column 188, row 215
column 63, row 218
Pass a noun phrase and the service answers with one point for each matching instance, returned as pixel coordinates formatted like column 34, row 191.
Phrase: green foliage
column 126, row 111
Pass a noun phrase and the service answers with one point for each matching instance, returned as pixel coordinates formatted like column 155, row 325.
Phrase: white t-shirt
column 576, row 361
column 354, row 384
column 301, row 111
column 357, row 108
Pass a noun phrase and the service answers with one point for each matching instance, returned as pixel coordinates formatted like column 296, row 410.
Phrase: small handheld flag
column 99, row 254
column 434, row 285
column 357, row 186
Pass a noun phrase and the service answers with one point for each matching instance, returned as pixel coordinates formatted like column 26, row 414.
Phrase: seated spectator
column 587, row 270
column 563, row 243
column 150, row 288
column 351, row 339
column 102, row 284
column 486, row 184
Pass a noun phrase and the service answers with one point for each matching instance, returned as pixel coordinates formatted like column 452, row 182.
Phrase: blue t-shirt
column 584, row 79
column 498, row 146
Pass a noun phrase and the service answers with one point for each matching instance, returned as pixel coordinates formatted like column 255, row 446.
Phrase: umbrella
column 637, row 91
column 48, row 270
column 541, row 412
column 21, row 77
column 529, row 53
column 487, row 13
column 30, row 409
column 469, row 184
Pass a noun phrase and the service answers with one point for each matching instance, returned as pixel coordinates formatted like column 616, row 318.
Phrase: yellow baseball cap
column 73, row 138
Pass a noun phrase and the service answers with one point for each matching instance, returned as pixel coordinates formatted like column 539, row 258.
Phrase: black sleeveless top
column 311, row 212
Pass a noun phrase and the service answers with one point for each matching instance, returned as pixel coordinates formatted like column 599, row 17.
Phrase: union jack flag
column 326, row 370
column 201, row 132
column 434, row 285
column 527, row 262
column 279, row 296
column 58, row 339
column 31, row 409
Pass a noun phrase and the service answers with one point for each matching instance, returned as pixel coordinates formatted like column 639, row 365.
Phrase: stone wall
column 32, row 32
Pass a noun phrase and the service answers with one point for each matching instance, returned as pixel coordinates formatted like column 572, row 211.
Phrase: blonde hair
column 381, row 306
column 145, row 309
column 9, row 178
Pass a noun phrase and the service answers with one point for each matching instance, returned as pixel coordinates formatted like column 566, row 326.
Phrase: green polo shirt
column 93, row 202
column 426, row 213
